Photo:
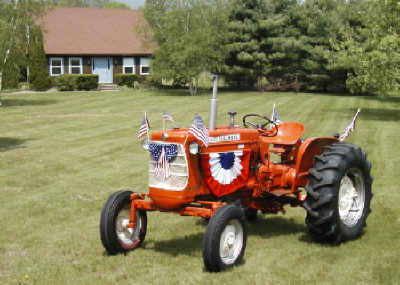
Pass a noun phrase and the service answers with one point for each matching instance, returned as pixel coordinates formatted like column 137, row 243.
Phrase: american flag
column 162, row 169
column 275, row 118
column 350, row 127
column 167, row 117
column 163, row 154
column 199, row 130
column 144, row 127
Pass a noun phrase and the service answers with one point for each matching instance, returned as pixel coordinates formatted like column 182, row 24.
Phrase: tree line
column 330, row 45
column 100, row 4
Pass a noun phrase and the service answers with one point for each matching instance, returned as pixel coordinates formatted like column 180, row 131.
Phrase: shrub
column 9, row 84
column 142, row 79
column 42, row 81
column 11, row 76
column 127, row 79
column 150, row 80
column 66, row 82
column 87, row 82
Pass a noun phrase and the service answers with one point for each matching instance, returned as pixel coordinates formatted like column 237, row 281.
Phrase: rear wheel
column 338, row 194
column 224, row 239
column 115, row 234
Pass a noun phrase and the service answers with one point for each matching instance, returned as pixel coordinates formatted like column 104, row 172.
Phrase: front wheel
column 115, row 234
column 338, row 194
column 224, row 239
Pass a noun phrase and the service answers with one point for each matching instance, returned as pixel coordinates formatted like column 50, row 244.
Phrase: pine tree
column 256, row 28
column 39, row 77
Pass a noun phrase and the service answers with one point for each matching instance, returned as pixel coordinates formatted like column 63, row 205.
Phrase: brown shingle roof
column 86, row 31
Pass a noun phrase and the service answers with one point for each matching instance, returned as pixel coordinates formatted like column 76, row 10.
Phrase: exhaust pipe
column 214, row 104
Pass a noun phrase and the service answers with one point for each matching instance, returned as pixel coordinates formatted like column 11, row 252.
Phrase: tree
column 261, row 40
column 370, row 52
column 188, row 37
column 319, row 23
column 97, row 3
column 17, row 17
column 70, row 3
column 39, row 78
column 82, row 3
column 115, row 5
column 286, row 38
column 248, row 28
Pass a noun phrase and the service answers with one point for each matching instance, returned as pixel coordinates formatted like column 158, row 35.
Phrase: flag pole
column 187, row 135
column 147, row 122
column 273, row 111
column 163, row 126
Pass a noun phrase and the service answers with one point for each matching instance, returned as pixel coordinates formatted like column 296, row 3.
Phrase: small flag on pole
column 350, row 127
column 275, row 118
column 199, row 130
column 144, row 127
column 167, row 117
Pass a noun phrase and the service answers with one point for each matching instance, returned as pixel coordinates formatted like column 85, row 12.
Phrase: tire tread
column 322, row 190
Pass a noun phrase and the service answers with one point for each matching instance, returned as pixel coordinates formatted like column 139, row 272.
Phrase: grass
column 63, row 154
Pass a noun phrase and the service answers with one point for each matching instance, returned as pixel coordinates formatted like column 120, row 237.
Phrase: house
column 94, row 41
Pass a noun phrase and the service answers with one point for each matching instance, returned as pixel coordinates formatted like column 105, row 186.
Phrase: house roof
column 87, row 31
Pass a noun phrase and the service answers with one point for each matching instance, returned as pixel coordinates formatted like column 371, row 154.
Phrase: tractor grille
column 179, row 172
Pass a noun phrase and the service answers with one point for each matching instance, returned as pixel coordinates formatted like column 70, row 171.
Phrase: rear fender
column 305, row 158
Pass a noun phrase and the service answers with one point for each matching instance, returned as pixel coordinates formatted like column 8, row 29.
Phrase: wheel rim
column 351, row 197
column 125, row 234
column 231, row 242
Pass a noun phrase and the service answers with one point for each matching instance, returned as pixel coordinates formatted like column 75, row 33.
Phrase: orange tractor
column 226, row 174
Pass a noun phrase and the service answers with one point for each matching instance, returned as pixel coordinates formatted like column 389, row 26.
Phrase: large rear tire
column 338, row 194
column 115, row 234
column 225, row 239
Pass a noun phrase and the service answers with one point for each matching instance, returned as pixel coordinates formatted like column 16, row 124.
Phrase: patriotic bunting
column 199, row 130
column 350, row 127
column 226, row 172
column 163, row 154
column 144, row 127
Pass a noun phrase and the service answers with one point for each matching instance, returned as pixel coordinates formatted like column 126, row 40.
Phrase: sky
column 134, row 4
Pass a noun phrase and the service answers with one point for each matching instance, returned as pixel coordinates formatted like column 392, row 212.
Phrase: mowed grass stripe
column 63, row 154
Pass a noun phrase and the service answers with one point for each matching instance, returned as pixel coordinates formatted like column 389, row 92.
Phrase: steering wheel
column 261, row 127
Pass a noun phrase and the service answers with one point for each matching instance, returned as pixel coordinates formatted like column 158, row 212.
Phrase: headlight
column 194, row 148
column 145, row 143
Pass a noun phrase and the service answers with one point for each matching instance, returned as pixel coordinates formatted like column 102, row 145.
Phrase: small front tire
column 225, row 239
column 115, row 234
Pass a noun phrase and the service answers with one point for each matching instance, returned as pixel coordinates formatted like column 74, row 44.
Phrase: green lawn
column 63, row 154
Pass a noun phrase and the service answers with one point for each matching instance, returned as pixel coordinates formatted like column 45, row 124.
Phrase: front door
column 103, row 67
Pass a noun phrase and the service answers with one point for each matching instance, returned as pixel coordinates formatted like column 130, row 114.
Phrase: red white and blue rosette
column 225, row 172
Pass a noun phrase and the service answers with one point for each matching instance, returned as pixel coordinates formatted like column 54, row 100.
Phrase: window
column 75, row 65
column 128, row 65
column 56, row 66
column 144, row 65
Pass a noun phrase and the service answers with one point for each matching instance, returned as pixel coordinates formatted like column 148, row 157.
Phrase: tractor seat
column 288, row 134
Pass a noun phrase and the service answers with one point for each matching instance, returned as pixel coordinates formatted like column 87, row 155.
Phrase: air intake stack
column 214, row 104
